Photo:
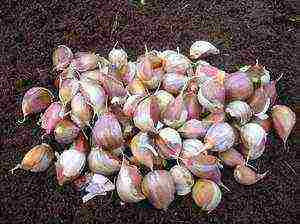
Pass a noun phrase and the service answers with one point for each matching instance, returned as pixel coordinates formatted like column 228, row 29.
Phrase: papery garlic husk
column 129, row 183
column 61, row 57
column 192, row 105
column 159, row 188
column 107, row 132
column 84, row 61
column 175, row 62
column 169, row 143
column 271, row 91
column 52, row 116
column 211, row 95
column 232, row 158
column 239, row 110
column 205, row 70
column 67, row 90
column 136, row 87
column 246, row 176
column 131, row 104
column 103, row 162
column 259, row 102
column 238, row 86
column 176, row 113
column 164, row 99
column 284, row 120
column 69, row 165
column 206, row 194
column 215, row 117
column 35, row 100
column 118, row 58
column 194, row 129
column 219, row 137
column 265, row 123
column 143, row 149
column 173, row 82
column 202, row 48
column 81, row 111
column 147, row 114
column 183, row 179
column 257, row 73
column 204, row 166
column 65, row 131
column 130, row 72
column 81, row 143
column 110, row 84
column 192, row 147
column 254, row 139
column 37, row 159
column 94, row 95
column 149, row 70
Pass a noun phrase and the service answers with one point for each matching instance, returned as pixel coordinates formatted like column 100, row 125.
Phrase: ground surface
column 243, row 30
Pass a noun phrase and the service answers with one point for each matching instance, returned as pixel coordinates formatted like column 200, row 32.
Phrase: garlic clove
column 192, row 147
column 259, row 102
column 69, row 165
column 239, row 110
column 35, row 100
column 183, row 179
column 194, row 128
column 118, row 58
column 169, row 143
column 136, row 87
column 61, row 57
column 284, row 120
column 173, row 82
column 81, row 111
column 164, row 99
column 206, row 194
column 131, row 104
column 143, row 149
column 130, row 72
column 66, row 131
column 193, row 106
column 232, row 157
column 246, row 176
column 147, row 114
column 201, row 48
column 204, row 71
column 52, row 116
column 175, row 62
column 103, row 162
column 84, row 61
column 159, row 188
column 107, row 132
column 129, row 183
column 67, row 90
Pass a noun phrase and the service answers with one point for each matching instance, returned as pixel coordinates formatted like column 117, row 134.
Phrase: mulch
column 244, row 31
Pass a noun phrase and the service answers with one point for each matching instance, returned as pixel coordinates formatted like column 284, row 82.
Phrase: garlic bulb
column 246, row 176
column 240, row 110
column 200, row 48
column 164, row 99
column 183, row 179
column 192, row 147
column 194, row 128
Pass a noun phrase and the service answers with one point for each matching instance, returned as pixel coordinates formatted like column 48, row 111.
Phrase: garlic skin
column 232, row 157
column 81, row 111
column 159, row 188
column 284, row 120
column 246, row 176
column 183, row 179
column 220, row 137
column 61, row 57
column 175, row 62
column 143, row 150
column 129, row 183
column 193, row 106
column 107, row 132
column 66, row 131
column 103, row 162
column 211, row 95
column 257, row 73
column 238, row 86
column 215, row 117
column 84, row 61
column 206, row 194
column 136, row 87
column 69, row 165
column 147, row 114
column 194, row 129
column 94, row 95
column 205, row 71
column 240, row 110
column 35, row 100
column 67, row 90
column 259, row 102
column 131, row 104
column 164, row 98
column 52, row 116
column 173, row 82
column 201, row 48
column 118, row 58
column 130, row 73
column 254, row 138
column 176, row 113
column 169, row 143
column 192, row 147
column 266, row 124
column 37, row 159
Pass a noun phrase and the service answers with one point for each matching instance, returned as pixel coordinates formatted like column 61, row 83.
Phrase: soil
column 244, row 31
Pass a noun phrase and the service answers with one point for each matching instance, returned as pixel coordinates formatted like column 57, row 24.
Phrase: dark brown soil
column 243, row 30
